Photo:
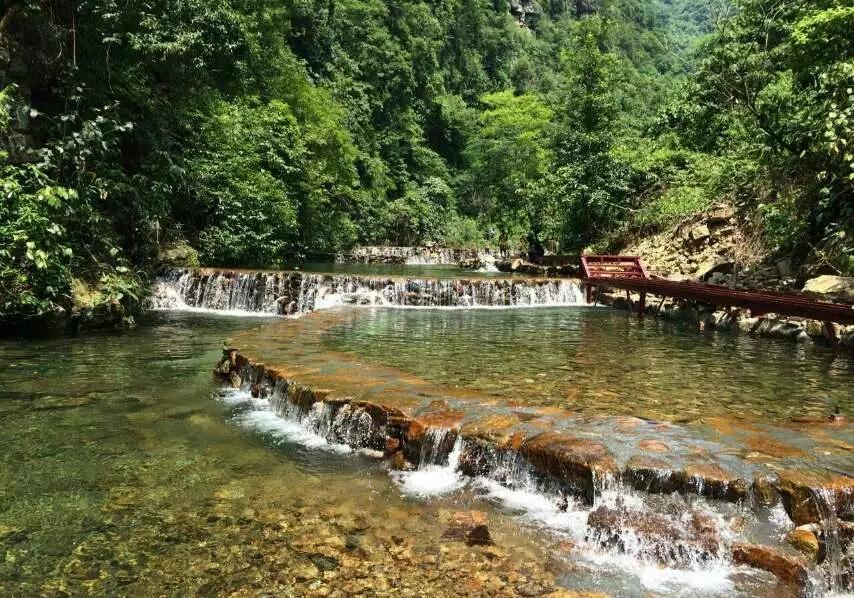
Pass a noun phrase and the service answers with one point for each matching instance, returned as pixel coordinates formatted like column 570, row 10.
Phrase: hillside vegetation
column 254, row 129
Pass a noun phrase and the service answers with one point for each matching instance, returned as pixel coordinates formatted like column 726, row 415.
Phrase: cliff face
column 526, row 11
column 30, row 41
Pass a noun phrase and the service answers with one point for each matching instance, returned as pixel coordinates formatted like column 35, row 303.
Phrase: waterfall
column 291, row 293
column 664, row 542
column 834, row 579
column 411, row 255
column 438, row 469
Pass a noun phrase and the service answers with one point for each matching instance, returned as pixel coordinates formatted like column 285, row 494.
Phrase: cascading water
column 411, row 255
column 665, row 543
column 438, row 468
column 833, row 578
column 290, row 293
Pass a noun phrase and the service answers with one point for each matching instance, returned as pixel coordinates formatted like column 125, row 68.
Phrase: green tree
column 508, row 155
column 587, row 190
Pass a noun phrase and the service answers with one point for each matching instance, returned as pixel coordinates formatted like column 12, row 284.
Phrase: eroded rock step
column 504, row 446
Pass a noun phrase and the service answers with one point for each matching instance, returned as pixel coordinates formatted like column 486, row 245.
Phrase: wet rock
column 765, row 491
column 709, row 479
column 469, row 527
column 670, row 541
column 808, row 495
column 576, row 462
column 398, row 462
column 805, row 541
column 495, row 429
column 791, row 570
column 654, row 446
column 478, row 536
column 831, row 288
column 477, row 457
column 653, row 475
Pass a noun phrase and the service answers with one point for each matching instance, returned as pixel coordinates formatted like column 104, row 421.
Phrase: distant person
column 503, row 245
column 535, row 248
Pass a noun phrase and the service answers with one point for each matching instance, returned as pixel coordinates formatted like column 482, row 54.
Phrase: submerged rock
column 469, row 527
column 671, row 542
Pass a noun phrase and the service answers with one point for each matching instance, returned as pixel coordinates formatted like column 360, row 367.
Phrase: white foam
column 166, row 298
column 434, row 480
column 266, row 421
column 713, row 578
column 431, row 480
column 570, row 520
column 536, row 507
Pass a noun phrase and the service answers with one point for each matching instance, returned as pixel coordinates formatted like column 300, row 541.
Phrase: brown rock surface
column 805, row 541
column 669, row 541
column 764, row 491
column 799, row 491
column 574, row 461
column 710, row 479
column 789, row 569
column 654, row 446
column 653, row 475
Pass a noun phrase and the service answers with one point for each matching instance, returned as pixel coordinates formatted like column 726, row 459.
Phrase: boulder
column 653, row 475
column 576, row 462
column 710, row 479
column 764, row 491
column 791, row 570
column 831, row 288
column 715, row 264
column 805, row 541
column 808, row 496
column 671, row 541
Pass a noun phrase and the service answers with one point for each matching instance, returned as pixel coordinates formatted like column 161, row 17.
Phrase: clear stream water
column 126, row 471
column 120, row 476
column 603, row 361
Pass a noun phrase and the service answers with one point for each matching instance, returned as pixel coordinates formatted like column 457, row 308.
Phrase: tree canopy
column 255, row 130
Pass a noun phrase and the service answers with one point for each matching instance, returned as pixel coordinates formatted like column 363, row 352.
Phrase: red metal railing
column 629, row 273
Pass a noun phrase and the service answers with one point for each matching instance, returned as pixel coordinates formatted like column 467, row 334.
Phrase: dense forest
column 254, row 130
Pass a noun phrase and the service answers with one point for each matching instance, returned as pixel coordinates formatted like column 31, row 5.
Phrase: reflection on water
column 603, row 361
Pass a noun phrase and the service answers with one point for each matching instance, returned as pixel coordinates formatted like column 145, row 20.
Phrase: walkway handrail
column 629, row 273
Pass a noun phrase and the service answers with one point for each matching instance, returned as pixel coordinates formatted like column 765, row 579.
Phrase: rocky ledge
column 576, row 468
column 706, row 317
